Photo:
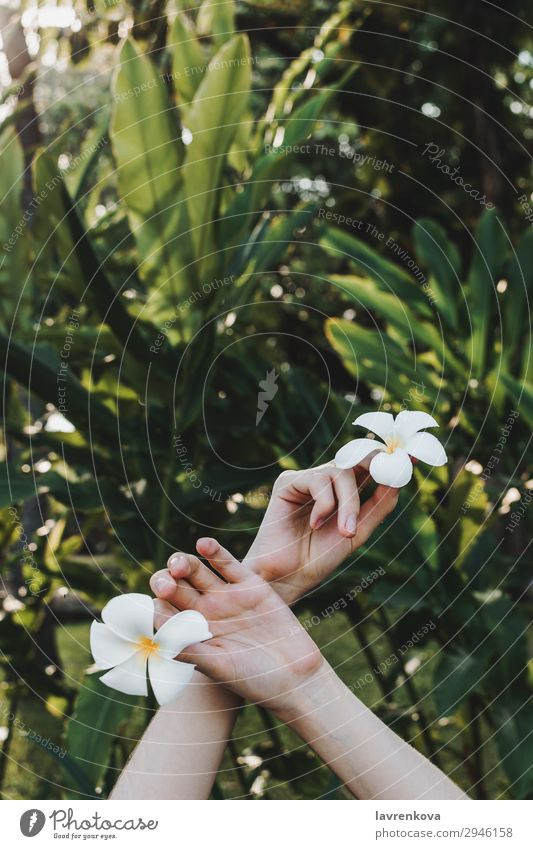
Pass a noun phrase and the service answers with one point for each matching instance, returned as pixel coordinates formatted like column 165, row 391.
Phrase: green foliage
column 172, row 236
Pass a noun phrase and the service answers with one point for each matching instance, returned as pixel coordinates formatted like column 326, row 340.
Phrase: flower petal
column 393, row 469
column 408, row 422
column 380, row 423
column 129, row 677
column 355, row 452
column 426, row 447
column 168, row 677
column 130, row 615
column 107, row 648
column 184, row 629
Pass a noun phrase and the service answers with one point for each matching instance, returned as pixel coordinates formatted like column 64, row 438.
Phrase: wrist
column 308, row 698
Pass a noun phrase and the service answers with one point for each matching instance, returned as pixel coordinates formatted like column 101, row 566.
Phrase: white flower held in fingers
column 125, row 643
column 402, row 437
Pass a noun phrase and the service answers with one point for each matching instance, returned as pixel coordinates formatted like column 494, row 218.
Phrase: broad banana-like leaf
column 189, row 61
column 399, row 315
column 390, row 277
column 516, row 309
column 144, row 137
column 216, row 18
column 15, row 288
column 490, row 250
column 366, row 352
column 271, row 166
column 521, row 394
column 94, row 726
column 213, row 119
column 442, row 260
column 84, row 163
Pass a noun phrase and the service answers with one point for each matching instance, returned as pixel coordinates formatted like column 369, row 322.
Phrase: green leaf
column 443, row 261
column 16, row 487
column 389, row 276
column 188, row 58
column 458, row 674
column 93, row 727
column 15, row 300
column 375, row 357
column 216, row 18
column 522, row 396
column 38, row 371
column 82, row 784
column 516, row 302
column 213, row 118
column 489, row 258
column 84, row 163
column 144, row 137
column 269, row 242
column 399, row 315
column 514, row 728
column 89, row 495
column 463, row 519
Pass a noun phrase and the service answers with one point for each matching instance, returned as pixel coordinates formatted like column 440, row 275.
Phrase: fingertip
column 178, row 565
column 162, row 584
column 207, row 546
column 348, row 525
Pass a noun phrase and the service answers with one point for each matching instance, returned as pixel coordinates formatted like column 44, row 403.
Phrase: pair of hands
column 314, row 521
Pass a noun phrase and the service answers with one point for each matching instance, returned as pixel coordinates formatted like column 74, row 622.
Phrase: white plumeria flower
column 402, row 437
column 125, row 643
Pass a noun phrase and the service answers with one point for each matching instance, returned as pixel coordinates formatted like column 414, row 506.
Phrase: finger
column 375, row 510
column 199, row 654
column 345, row 486
column 178, row 593
column 321, row 490
column 193, row 571
column 221, row 559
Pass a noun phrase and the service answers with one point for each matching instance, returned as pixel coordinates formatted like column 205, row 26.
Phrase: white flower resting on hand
column 402, row 439
column 126, row 642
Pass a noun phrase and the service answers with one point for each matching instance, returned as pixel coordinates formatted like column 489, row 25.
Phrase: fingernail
column 351, row 523
column 177, row 561
column 162, row 583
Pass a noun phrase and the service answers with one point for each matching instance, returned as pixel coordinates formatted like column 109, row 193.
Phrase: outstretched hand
column 314, row 521
column 258, row 649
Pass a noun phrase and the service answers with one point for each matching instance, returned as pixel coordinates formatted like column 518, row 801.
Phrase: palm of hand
column 291, row 554
column 315, row 521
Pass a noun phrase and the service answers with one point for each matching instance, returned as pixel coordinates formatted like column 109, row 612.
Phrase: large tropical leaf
column 94, row 726
column 389, row 276
column 212, row 120
column 442, row 260
column 148, row 153
column 490, row 250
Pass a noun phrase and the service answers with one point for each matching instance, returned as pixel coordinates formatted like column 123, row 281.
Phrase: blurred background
column 227, row 229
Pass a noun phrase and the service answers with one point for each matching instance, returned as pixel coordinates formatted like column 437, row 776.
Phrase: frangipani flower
column 402, row 437
column 125, row 643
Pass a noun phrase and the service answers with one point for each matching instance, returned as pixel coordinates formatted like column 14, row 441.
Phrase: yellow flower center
column 147, row 645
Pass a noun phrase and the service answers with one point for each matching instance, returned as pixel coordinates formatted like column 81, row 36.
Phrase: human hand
column 314, row 521
column 259, row 649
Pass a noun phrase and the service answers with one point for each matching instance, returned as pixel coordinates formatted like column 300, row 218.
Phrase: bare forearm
column 180, row 752
column 369, row 758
